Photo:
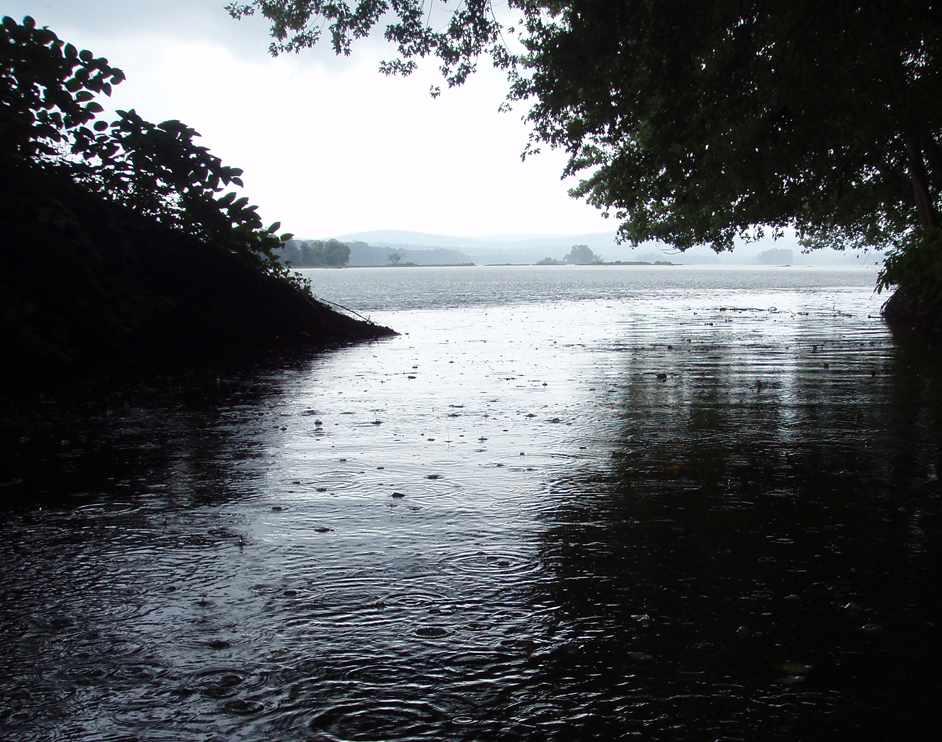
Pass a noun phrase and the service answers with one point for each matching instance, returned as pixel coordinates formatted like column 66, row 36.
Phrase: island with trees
column 126, row 243
column 584, row 255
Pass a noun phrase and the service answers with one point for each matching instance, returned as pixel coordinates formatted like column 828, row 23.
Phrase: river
column 564, row 503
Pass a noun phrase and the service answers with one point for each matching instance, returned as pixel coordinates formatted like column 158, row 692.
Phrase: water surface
column 594, row 510
column 429, row 287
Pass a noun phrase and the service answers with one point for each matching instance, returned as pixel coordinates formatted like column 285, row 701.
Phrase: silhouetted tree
column 395, row 257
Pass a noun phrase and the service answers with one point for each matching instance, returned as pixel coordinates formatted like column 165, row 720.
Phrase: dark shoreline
column 911, row 318
column 92, row 290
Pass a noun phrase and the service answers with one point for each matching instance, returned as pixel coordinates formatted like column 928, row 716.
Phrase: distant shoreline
column 612, row 264
column 604, row 263
column 400, row 265
column 658, row 264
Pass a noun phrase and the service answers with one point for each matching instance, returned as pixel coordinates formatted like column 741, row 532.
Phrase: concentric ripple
column 378, row 720
column 510, row 564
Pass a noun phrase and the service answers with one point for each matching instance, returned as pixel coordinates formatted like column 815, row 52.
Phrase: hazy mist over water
column 377, row 289
column 563, row 504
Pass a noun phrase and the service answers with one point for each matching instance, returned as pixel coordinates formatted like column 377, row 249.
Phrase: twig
column 346, row 309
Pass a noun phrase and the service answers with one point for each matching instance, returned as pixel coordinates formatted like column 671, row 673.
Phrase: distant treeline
column 335, row 254
column 583, row 255
column 578, row 255
column 314, row 253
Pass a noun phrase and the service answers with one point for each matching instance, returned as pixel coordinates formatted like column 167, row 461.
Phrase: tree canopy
column 696, row 123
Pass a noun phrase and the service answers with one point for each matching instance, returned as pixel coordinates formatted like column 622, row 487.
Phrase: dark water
column 681, row 514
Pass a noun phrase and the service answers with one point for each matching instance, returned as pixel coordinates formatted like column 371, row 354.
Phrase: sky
column 329, row 145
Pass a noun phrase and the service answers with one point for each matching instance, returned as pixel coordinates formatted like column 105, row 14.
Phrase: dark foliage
column 117, row 247
column 88, row 285
column 48, row 121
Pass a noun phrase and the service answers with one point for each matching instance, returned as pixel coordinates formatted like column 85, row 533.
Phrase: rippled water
column 383, row 289
column 674, row 513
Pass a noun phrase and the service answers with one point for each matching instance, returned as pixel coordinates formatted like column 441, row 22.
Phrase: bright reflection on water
column 672, row 514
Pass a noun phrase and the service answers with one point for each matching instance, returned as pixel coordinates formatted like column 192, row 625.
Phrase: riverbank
column 914, row 318
column 90, row 288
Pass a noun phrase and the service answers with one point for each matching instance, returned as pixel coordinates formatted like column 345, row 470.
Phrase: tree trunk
column 934, row 160
column 920, row 180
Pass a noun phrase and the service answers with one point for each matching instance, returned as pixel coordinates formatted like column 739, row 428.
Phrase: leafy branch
column 49, row 121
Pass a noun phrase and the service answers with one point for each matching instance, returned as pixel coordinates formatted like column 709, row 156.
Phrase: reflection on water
column 762, row 543
column 674, row 517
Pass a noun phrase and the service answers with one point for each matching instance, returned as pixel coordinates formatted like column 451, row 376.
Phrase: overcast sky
column 329, row 146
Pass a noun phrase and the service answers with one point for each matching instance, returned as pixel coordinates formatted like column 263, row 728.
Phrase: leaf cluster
column 724, row 119
column 47, row 89
column 469, row 30
column 49, row 120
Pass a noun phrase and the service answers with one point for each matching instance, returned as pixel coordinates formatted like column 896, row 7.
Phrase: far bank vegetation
column 584, row 255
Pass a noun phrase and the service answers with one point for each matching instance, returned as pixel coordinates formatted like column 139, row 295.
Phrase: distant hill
column 400, row 238
column 531, row 248
column 499, row 249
